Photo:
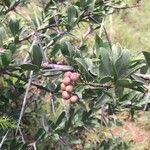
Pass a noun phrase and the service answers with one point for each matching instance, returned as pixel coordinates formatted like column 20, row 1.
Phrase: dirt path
column 131, row 131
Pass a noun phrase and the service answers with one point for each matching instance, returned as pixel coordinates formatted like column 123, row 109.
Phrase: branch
column 88, row 32
column 3, row 139
column 38, row 30
column 96, row 85
column 26, row 81
column 57, row 67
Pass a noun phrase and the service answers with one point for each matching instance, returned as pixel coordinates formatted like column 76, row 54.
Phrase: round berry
column 63, row 87
column 69, row 88
column 74, row 98
column 66, row 81
column 67, row 74
column 65, row 95
column 74, row 76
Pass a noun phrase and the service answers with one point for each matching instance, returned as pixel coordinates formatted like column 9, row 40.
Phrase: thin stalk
column 3, row 139
column 24, row 101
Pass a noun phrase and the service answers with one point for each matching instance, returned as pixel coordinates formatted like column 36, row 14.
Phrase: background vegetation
column 41, row 42
column 131, row 27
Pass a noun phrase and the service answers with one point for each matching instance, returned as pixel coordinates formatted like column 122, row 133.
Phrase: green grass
column 131, row 28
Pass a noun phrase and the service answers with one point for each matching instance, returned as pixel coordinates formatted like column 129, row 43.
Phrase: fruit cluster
column 67, row 88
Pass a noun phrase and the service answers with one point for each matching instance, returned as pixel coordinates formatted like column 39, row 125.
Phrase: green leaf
column 12, row 47
column 1, row 64
column 116, row 52
column 65, row 50
column 147, row 57
column 137, row 83
column 36, row 55
column 124, row 82
column 69, row 121
column 98, row 43
column 3, row 35
column 72, row 16
column 55, row 49
column 39, row 134
column 122, row 63
column 60, row 118
column 97, row 19
column 7, row 2
column 29, row 67
column 84, row 68
column 139, row 79
column 106, row 79
column 14, row 25
column 86, row 115
column 45, row 123
column 134, row 69
column 106, row 63
column 129, row 83
column 6, row 57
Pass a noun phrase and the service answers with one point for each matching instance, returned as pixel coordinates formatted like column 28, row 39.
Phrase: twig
column 26, row 81
column 38, row 41
column 3, row 139
column 126, row 7
column 108, row 39
column 49, row 44
column 86, row 34
column 38, row 30
column 24, row 100
column 52, row 103
column 97, row 85
column 33, row 145
column 23, row 140
column 111, row 27
column 101, row 27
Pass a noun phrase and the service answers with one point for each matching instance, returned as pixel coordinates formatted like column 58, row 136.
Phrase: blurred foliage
column 129, row 31
column 34, row 37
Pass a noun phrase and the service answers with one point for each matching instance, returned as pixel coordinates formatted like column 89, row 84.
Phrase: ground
column 137, row 130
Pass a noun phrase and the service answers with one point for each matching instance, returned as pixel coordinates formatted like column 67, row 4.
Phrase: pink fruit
column 66, row 81
column 69, row 88
column 74, row 76
column 65, row 95
column 67, row 74
column 63, row 87
column 74, row 98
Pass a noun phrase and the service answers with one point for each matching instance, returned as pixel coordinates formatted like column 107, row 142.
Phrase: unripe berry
column 65, row 95
column 63, row 87
column 74, row 98
column 74, row 76
column 13, row 105
column 66, row 80
column 69, row 88
column 67, row 74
